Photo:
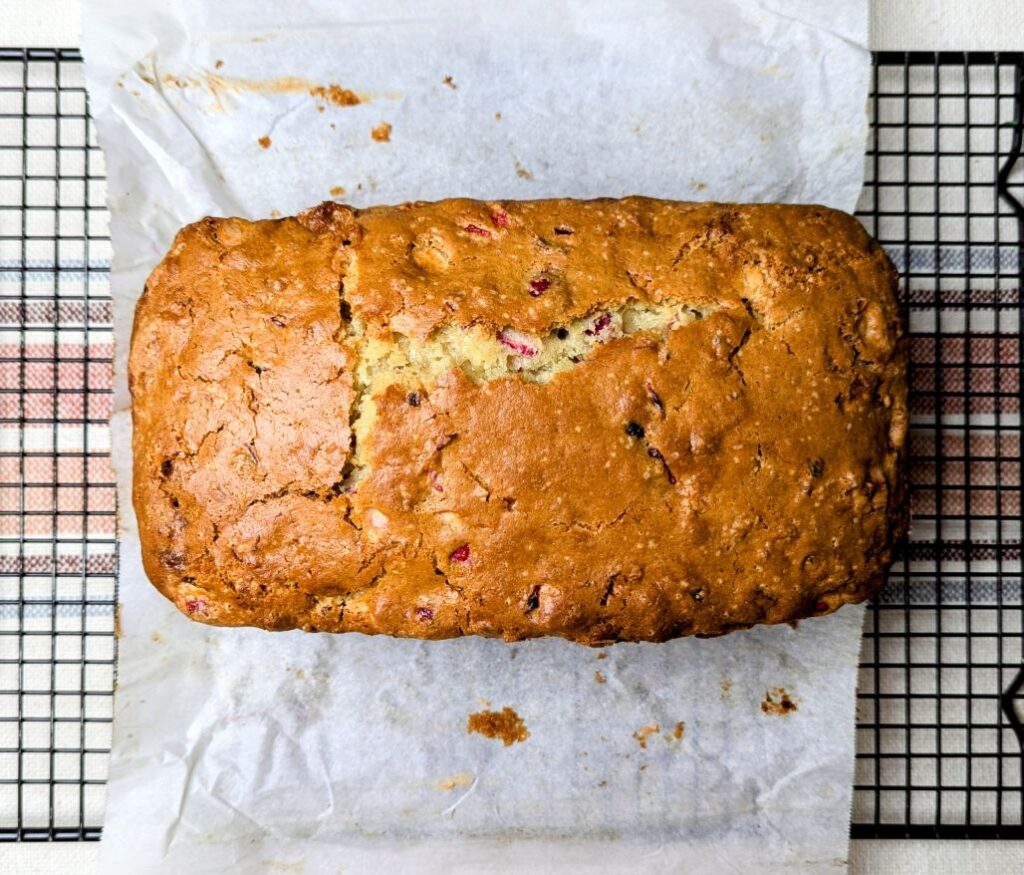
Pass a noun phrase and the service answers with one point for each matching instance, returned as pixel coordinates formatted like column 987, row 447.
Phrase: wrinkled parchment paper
column 244, row 751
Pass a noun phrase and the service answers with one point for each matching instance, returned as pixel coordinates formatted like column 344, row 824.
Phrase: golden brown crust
column 691, row 475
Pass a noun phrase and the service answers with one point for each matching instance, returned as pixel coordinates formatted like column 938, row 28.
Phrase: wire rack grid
column 939, row 736
column 58, row 553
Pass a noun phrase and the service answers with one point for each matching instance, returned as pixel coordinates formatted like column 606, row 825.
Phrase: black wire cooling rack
column 58, row 552
column 939, row 740
column 939, row 733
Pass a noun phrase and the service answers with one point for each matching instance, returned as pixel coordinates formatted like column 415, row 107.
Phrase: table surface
column 981, row 25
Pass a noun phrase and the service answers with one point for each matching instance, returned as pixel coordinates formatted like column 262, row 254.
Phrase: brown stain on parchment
column 337, row 191
column 522, row 172
column 504, row 725
column 219, row 86
column 460, row 779
column 600, row 678
column 778, row 702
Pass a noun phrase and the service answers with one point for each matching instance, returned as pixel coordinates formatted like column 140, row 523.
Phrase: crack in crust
column 606, row 420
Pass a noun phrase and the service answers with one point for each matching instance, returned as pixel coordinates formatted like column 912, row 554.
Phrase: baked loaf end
column 605, row 420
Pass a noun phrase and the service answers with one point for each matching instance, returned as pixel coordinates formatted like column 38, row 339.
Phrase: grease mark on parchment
column 459, row 779
column 219, row 87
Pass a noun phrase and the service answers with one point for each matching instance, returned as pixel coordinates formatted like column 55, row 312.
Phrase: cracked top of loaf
column 606, row 420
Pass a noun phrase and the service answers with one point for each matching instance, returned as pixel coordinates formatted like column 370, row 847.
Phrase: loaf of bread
column 605, row 420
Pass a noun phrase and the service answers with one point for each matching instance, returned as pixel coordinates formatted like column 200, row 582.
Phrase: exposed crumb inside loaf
column 483, row 354
column 605, row 420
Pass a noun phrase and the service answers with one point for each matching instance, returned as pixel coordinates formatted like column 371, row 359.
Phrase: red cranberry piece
column 500, row 219
column 516, row 342
column 435, row 478
column 460, row 554
column 539, row 286
column 600, row 324
column 196, row 606
column 424, row 615
column 476, row 229
column 821, row 607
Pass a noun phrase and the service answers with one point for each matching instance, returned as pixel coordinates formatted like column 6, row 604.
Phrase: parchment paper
column 244, row 751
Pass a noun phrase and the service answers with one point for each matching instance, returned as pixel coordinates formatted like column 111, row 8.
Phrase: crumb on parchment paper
column 381, row 133
column 778, row 702
column 337, row 191
column 600, row 678
column 336, row 94
column 645, row 732
column 264, row 142
column 505, row 725
column 450, row 82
